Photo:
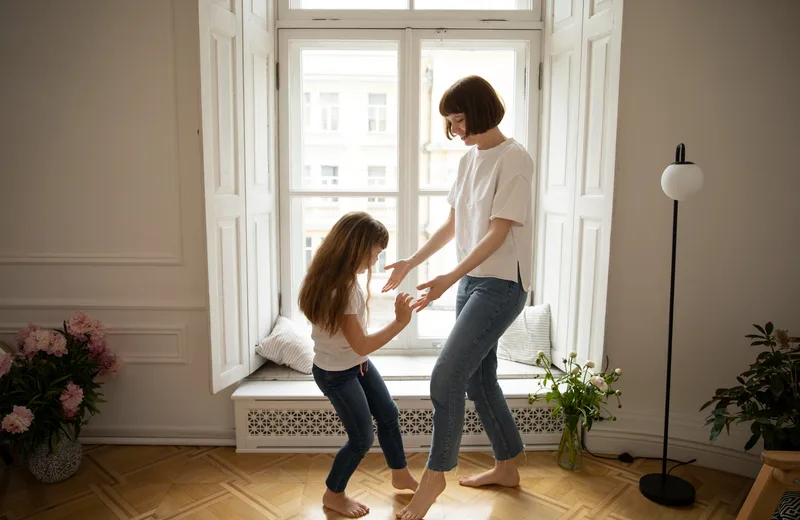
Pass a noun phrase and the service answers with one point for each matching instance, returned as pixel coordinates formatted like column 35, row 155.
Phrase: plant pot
column 570, row 452
column 58, row 465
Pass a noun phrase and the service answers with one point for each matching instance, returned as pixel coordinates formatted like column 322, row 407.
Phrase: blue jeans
column 485, row 308
column 358, row 395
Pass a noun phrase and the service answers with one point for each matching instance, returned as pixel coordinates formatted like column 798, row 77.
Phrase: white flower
column 573, row 354
column 618, row 371
column 540, row 353
column 590, row 364
column 600, row 383
column 575, row 371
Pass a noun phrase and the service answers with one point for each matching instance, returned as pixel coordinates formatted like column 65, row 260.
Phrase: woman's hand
column 399, row 271
column 436, row 288
column 403, row 308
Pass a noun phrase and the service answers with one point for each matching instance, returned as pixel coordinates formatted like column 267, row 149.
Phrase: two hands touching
column 436, row 288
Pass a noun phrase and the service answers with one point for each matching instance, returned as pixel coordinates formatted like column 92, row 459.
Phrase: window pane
column 312, row 219
column 351, row 88
column 348, row 4
column 480, row 5
column 438, row 318
column 443, row 63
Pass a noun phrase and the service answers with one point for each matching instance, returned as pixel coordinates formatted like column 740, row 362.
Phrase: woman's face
column 458, row 125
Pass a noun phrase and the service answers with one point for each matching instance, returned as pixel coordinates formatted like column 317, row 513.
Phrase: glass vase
column 570, row 452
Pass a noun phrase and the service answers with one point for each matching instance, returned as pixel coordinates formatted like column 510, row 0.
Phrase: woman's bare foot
column 504, row 474
column 403, row 479
column 431, row 486
column 343, row 504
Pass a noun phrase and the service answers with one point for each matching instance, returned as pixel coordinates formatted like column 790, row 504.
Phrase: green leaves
column 768, row 396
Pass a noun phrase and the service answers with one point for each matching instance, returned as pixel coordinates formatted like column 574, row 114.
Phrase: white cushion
column 288, row 344
column 529, row 334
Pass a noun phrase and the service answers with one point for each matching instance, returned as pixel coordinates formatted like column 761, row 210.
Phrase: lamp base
column 667, row 490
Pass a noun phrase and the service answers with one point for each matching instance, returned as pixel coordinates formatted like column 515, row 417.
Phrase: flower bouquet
column 49, row 389
column 580, row 398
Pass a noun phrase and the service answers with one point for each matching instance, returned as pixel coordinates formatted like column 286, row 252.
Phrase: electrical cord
column 629, row 459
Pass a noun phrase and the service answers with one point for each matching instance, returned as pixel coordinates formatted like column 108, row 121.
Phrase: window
column 375, row 175
column 441, row 5
column 329, row 111
column 329, row 175
column 376, row 113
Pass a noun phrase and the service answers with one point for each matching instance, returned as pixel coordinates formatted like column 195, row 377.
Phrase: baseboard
column 137, row 435
column 642, row 435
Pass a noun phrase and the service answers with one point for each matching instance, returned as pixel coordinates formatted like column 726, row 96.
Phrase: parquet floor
column 163, row 482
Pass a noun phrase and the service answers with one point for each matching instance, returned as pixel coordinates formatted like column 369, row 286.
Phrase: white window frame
column 402, row 18
column 407, row 190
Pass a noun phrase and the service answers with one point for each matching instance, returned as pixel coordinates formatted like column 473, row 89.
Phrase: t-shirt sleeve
column 354, row 302
column 512, row 200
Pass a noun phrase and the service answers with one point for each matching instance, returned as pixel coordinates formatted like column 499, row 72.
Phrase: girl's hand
column 403, row 308
column 436, row 288
column 399, row 271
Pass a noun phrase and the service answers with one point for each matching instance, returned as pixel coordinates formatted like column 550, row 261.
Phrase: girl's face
column 458, row 125
column 371, row 260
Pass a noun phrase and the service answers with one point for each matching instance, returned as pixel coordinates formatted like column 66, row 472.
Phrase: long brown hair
column 331, row 277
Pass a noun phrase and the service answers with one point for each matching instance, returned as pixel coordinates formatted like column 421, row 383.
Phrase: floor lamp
column 679, row 181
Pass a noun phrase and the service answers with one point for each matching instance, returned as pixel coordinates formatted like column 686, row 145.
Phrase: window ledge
column 398, row 368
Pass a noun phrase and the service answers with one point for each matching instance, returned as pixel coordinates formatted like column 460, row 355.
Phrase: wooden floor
column 160, row 483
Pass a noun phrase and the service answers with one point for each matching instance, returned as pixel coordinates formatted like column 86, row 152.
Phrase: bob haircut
column 474, row 97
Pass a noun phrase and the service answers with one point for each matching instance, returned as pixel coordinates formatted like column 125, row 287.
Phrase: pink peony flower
column 97, row 348
column 18, row 421
column 23, row 334
column 72, row 397
column 109, row 363
column 5, row 362
column 58, row 345
column 83, row 327
column 69, row 414
column 37, row 340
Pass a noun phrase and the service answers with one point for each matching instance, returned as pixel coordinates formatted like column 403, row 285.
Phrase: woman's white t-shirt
column 334, row 353
column 495, row 183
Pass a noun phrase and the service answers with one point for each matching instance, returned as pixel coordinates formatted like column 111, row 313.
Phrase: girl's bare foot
column 343, row 504
column 504, row 474
column 403, row 479
column 431, row 486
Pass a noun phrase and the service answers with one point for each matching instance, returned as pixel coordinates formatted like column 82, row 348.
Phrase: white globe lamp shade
column 681, row 179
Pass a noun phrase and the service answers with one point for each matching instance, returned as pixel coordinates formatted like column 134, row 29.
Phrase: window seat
column 278, row 409
column 398, row 368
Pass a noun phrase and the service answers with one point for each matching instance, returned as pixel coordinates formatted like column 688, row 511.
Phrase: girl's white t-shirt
column 496, row 183
column 333, row 353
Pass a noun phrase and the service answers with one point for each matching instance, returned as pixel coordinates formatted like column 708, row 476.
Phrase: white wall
column 721, row 76
column 102, row 198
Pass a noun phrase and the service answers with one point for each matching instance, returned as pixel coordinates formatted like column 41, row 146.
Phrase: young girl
column 334, row 303
column 490, row 218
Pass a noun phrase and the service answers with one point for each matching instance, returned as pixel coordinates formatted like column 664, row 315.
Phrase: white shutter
column 260, row 172
column 237, row 90
column 581, row 79
column 558, row 152
column 594, row 177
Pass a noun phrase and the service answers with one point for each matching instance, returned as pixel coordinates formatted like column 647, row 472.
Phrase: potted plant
column 49, row 389
column 580, row 398
column 768, row 394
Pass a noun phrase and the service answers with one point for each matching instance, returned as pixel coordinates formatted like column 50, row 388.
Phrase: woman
column 490, row 218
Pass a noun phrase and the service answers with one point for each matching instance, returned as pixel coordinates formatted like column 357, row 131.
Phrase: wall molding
column 178, row 331
column 112, row 305
column 175, row 165
column 155, row 436
column 641, row 435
